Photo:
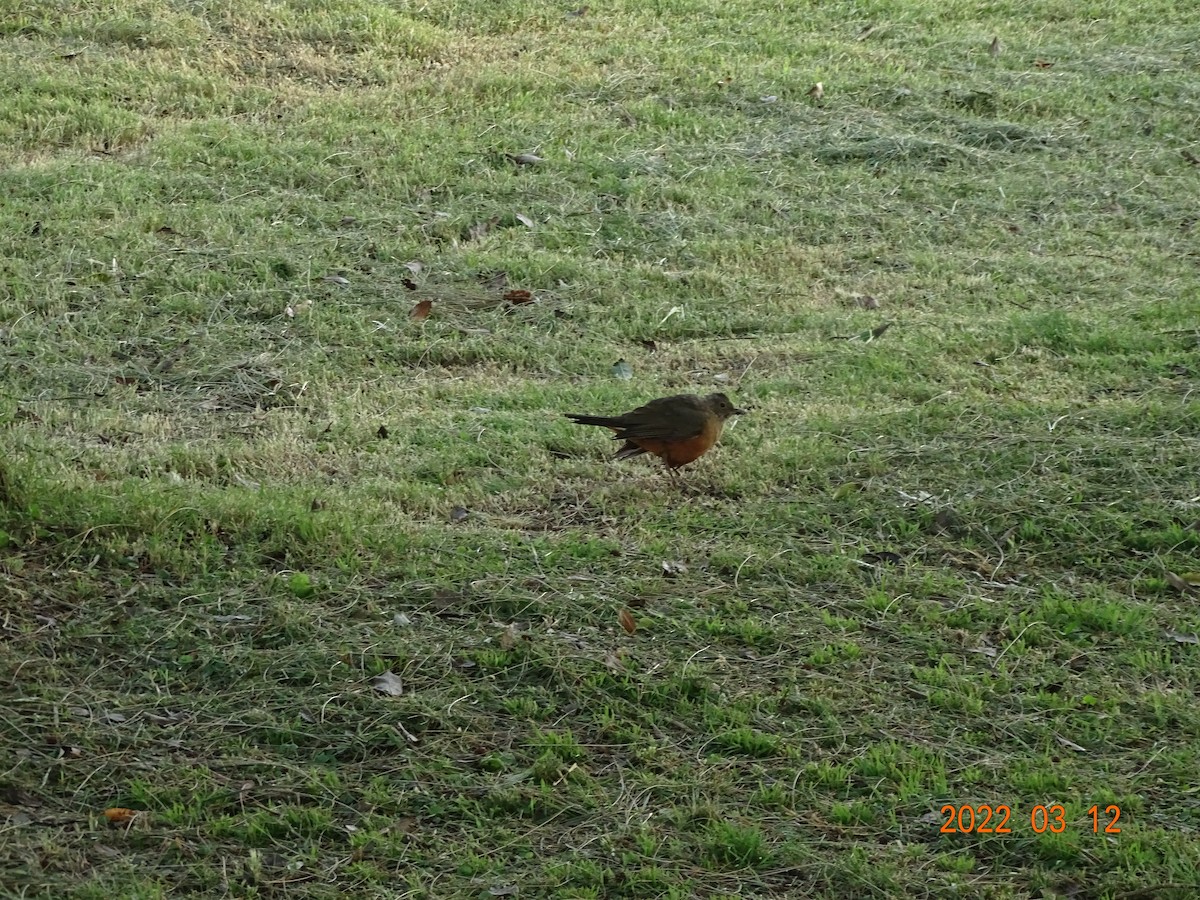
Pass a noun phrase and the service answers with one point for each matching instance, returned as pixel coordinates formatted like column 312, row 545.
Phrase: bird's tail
column 603, row 421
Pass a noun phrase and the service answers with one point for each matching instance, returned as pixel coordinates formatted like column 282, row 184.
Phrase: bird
column 678, row 429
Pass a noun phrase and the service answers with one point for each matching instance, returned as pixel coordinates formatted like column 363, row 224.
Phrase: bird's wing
column 666, row 419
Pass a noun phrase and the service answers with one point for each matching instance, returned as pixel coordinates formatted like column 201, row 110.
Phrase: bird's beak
column 739, row 412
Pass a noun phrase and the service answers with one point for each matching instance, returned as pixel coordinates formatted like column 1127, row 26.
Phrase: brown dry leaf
column 388, row 683
column 1042, row 64
column 650, row 345
column 627, row 621
column 409, row 283
column 518, row 297
column 421, row 310
column 120, row 815
column 817, row 91
column 866, row 301
column 508, row 637
column 995, row 48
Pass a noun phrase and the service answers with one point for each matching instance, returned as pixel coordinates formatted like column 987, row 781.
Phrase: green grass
column 944, row 566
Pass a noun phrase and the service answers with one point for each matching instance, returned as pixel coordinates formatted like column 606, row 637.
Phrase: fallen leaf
column 504, row 890
column 768, row 98
column 415, row 266
column 524, row 220
column 995, row 48
column 508, row 637
column 623, row 370
column 524, row 159
column 866, row 301
column 120, row 815
column 627, row 621
column 458, row 514
column 337, row 279
column 518, row 297
column 409, row 283
column 401, row 620
column 347, row 221
column 388, row 683
column 1180, row 583
column 382, row 433
column 650, row 345
column 672, row 567
column 817, row 91
column 421, row 310
column 1181, row 638
column 1042, row 64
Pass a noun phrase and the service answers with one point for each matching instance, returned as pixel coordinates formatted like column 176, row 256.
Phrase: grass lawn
column 301, row 563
